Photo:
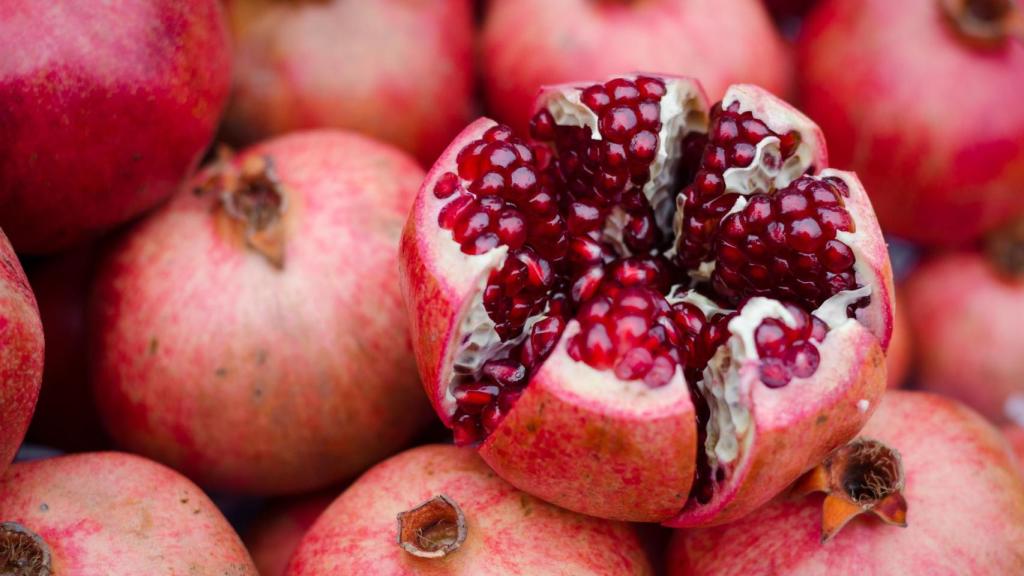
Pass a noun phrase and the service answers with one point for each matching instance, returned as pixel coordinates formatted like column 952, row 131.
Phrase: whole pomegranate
column 530, row 43
column 251, row 333
column 656, row 311
column 66, row 416
column 900, row 355
column 21, row 353
column 97, row 126
column 965, row 314
column 377, row 67
column 965, row 508
column 919, row 97
column 456, row 517
column 112, row 514
column 277, row 532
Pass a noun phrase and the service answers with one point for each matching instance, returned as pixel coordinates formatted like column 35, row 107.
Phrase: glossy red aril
column 663, row 268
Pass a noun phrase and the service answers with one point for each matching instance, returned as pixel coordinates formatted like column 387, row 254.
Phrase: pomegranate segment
column 631, row 282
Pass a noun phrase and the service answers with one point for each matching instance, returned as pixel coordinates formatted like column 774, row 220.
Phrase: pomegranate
column 278, row 531
column 456, row 517
column 656, row 311
column 251, row 333
column 900, row 352
column 964, row 312
column 1015, row 434
column 66, row 416
column 907, row 91
column 21, row 353
column 377, row 67
column 942, row 447
column 530, row 43
column 113, row 514
column 97, row 127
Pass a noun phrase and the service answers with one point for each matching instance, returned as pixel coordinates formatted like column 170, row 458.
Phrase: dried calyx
column 433, row 529
column 23, row 552
column 987, row 22
column 253, row 201
column 865, row 476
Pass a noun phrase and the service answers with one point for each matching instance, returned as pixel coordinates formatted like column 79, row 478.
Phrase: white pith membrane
column 729, row 428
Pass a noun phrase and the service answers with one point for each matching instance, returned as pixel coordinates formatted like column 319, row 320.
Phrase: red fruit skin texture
column 1015, row 435
column 509, row 532
column 396, row 70
column 278, row 531
column 965, row 509
column 530, row 43
column 104, row 119
column 930, row 122
column 119, row 515
column 66, row 416
column 900, row 354
column 965, row 319
column 256, row 379
column 21, row 353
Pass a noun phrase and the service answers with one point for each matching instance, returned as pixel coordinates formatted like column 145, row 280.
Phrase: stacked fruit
column 648, row 291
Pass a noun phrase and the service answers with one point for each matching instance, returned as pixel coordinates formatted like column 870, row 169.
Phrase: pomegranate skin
column 95, row 127
column 509, row 532
column 898, row 357
column 281, row 394
column 352, row 65
column 965, row 321
column 21, row 353
column 883, row 79
column 530, row 43
column 119, row 514
column 1015, row 435
column 278, row 531
column 66, row 416
column 943, row 444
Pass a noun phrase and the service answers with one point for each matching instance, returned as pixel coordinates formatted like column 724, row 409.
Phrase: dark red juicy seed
column 610, row 171
column 629, row 331
column 789, row 351
column 732, row 141
column 783, row 245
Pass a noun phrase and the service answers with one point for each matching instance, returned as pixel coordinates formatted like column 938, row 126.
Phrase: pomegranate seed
column 446, row 185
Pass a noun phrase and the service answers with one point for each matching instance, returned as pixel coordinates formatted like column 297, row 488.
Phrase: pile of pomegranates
column 637, row 318
column 650, row 308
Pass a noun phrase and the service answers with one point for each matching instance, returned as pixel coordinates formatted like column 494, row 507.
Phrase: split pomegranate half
column 649, row 309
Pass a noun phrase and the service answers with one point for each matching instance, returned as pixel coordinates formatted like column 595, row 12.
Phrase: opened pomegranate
column 104, row 109
column 112, row 514
column 66, row 416
column 21, row 353
column 456, row 517
column 250, row 333
column 380, row 68
column 965, row 508
column 530, row 43
column 917, row 97
column 964, row 309
column 655, row 310
column 276, row 534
